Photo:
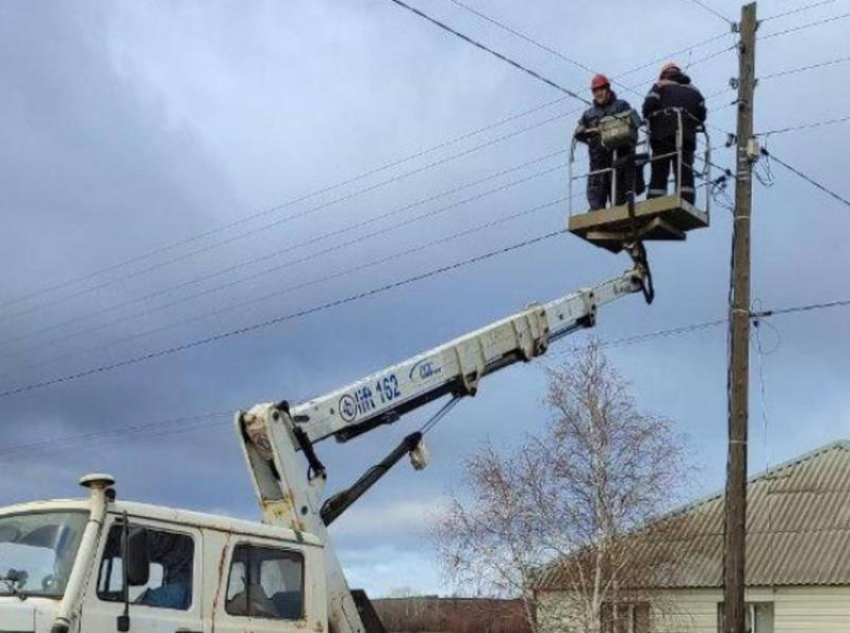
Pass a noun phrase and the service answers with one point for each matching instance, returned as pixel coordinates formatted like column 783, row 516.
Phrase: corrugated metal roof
column 798, row 531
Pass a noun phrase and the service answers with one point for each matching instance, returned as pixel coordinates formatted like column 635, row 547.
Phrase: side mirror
column 136, row 566
column 136, row 556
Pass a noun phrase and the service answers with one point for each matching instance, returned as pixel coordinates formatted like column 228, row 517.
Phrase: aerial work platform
column 665, row 218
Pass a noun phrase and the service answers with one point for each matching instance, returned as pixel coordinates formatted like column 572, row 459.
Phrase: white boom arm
column 273, row 434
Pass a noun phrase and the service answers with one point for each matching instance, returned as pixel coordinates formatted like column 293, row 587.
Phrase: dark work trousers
column 599, row 188
column 662, row 166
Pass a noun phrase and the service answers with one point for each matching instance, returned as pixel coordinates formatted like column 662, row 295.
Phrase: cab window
column 171, row 565
column 265, row 582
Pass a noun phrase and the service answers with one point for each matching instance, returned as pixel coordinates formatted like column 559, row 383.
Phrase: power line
column 11, row 453
column 298, row 215
column 807, row 7
column 309, row 211
column 486, row 49
column 713, row 55
column 284, row 265
column 279, row 319
column 709, row 324
column 118, row 436
column 266, row 297
column 719, row 93
column 803, row 27
column 315, row 193
column 141, row 429
column 289, row 249
column 677, row 331
column 536, row 43
column 326, row 189
column 232, row 283
column 298, row 286
column 136, row 429
column 804, row 126
column 403, row 175
column 809, row 307
column 712, row 11
column 793, row 71
column 522, row 36
column 692, row 47
column 808, row 179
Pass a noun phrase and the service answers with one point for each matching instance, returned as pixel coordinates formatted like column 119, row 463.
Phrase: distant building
column 798, row 559
column 430, row 614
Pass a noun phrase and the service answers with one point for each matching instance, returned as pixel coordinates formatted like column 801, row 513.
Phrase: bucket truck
column 102, row 564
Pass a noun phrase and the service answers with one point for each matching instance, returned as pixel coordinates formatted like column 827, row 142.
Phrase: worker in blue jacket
column 605, row 103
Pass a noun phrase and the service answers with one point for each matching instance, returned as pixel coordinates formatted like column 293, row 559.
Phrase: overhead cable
column 284, row 265
column 692, row 47
column 537, row 44
column 809, row 307
column 154, row 428
column 807, row 178
column 122, row 431
column 804, row 27
column 793, row 71
column 119, row 435
column 276, row 208
column 280, row 292
column 166, row 248
column 804, row 126
column 11, row 452
column 289, row 218
column 285, row 251
column 168, row 351
column 303, row 213
column 522, row 36
column 807, row 7
column 489, row 50
column 712, row 11
column 677, row 331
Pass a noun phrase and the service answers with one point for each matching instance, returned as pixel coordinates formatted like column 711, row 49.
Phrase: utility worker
column 605, row 103
column 673, row 90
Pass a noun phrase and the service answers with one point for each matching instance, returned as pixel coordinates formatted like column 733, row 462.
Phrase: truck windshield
column 37, row 551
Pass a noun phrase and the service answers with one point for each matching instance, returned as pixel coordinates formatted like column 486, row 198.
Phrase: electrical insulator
column 753, row 150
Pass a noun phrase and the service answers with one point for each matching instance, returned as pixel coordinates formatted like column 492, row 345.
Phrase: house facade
column 798, row 560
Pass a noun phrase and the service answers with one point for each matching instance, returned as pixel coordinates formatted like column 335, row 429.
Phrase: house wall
column 795, row 610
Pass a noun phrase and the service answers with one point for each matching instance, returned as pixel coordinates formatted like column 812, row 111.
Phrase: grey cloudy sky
column 129, row 126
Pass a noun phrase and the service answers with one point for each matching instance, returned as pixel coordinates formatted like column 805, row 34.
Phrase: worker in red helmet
column 605, row 103
column 673, row 98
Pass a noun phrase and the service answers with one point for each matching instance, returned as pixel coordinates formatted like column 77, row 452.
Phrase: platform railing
column 704, row 174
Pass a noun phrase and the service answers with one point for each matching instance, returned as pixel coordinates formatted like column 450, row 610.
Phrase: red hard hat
column 599, row 81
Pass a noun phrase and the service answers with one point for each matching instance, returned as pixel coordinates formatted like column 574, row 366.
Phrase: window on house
column 625, row 618
column 265, row 583
column 759, row 617
column 171, row 564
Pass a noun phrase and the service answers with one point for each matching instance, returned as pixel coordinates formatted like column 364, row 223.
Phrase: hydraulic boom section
column 457, row 366
column 291, row 495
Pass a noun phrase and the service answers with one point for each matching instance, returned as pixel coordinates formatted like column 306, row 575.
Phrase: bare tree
column 565, row 504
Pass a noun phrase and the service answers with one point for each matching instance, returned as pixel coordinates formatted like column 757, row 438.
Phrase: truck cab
column 62, row 570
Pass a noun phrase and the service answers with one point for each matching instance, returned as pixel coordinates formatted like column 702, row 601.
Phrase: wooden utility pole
column 739, row 338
